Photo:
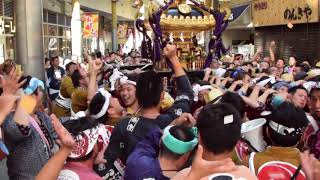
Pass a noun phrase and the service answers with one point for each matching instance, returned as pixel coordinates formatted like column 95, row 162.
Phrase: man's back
column 241, row 172
column 275, row 161
column 77, row 171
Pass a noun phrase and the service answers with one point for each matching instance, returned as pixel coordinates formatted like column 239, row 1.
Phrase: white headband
column 266, row 81
column 281, row 129
column 124, row 80
column 114, row 77
column 89, row 137
column 105, row 106
column 197, row 88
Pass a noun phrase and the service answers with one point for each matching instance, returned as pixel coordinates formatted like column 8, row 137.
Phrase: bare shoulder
column 245, row 172
column 181, row 174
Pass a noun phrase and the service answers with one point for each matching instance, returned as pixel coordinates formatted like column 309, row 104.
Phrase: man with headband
column 105, row 108
column 215, row 124
column 200, row 91
column 90, row 139
column 176, row 144
column 128, row 94
column 285, row 128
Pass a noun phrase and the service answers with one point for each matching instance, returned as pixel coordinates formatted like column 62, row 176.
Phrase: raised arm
column 53, row 167
column 94, row 69
column 207, row 73
column 9, row 97
column 170, row 51
column 264, row 96
column 234, row 85
column 256, row 55
column 271, row 52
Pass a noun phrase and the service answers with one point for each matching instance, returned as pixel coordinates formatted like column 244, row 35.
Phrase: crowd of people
column 257, row 119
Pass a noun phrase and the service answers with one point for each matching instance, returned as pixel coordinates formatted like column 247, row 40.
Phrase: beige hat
column 287, row 77
column 213, row 94
column 312, row 73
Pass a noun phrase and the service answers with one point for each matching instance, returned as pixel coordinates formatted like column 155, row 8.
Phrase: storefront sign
column 90, row 25
column 260, row 5
column 7, row 26
column 297, row 13
column 237, row 12
column 277, row 12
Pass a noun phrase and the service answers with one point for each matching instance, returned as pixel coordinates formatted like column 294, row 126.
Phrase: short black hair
column 267, row 71
column 70, row 64
column 98, row 54
column 46, row 60
column 281, row 59
column 236, row 101
column 313, row 90
column 149, row 89
column 96, row 105
column 76, row 77
column 247, row 63
column 290, row 116
column 203, row 83
column 294, row 89
column 181, row 133
column 133, row 77
column 228, row 73
column 75, row 128
column 217, row 135
column 53, row 58
column 304, row 67
column 241, row 75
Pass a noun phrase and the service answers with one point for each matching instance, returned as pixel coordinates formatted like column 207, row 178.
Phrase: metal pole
column 114, row 25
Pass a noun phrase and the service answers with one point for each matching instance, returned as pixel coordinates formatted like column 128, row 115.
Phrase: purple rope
column 146, row 46
column 158, row 43
column 215, row 44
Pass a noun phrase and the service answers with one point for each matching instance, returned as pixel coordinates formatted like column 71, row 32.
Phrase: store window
column 8, row 8
column 7, row 30
column 56, row 30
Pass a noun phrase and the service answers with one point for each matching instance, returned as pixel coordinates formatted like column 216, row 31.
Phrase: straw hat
column 312, row 73
column 213, row 94
column 287, row 77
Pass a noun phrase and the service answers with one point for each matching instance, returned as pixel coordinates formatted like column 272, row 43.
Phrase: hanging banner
column 122, row 33
column 90, row 25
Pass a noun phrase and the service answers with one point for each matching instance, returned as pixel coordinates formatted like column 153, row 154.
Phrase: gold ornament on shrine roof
column 185, row 19
column 184, row 8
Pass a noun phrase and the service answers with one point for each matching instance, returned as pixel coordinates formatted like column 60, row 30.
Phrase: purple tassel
column 156, row 27
column 208, row 60
column 156, row 50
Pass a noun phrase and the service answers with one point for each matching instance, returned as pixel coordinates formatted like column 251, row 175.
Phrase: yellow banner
column 280, row 12
column 122, row 33
column 90, row 25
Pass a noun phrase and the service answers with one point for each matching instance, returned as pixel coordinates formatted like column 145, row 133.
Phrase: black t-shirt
column 127, row 133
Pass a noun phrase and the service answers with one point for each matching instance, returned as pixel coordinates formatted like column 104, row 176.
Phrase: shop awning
column 241, row 17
